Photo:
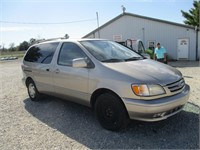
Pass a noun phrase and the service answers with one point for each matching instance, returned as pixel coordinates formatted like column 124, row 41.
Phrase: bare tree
column 12, row 46
column 0, row 50
column 3, row 45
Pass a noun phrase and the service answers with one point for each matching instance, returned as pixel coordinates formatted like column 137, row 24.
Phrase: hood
column 146, row 71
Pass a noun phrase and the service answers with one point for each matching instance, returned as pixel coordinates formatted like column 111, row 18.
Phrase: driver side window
column 68, row 52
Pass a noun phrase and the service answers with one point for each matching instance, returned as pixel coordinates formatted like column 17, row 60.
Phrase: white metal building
column 179, row 40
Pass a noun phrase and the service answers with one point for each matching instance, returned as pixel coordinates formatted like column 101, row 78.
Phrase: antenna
column 123, row 9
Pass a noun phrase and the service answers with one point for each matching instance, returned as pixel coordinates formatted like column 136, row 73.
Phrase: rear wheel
column 110, row 112
column 32, row 91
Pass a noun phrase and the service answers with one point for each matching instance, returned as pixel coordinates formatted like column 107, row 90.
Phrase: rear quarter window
column 42, row 53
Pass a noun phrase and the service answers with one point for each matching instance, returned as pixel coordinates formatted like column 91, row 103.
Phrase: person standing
column 160, row 54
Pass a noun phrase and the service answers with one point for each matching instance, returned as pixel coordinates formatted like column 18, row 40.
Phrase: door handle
column 47, row 69
column 57, row 70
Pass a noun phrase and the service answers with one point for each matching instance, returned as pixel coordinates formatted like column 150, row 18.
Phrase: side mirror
column 79, row 63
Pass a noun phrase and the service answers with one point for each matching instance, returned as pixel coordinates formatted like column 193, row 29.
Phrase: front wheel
column 32, row 91
column 110, row 112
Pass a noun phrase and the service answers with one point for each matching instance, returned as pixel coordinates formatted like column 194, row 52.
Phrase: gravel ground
column 56, row 124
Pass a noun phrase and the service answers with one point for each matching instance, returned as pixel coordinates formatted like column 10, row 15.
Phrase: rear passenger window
column 68, row 52
column 42, row 53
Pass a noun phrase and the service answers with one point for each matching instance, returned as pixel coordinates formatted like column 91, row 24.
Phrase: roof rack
column 45, row 40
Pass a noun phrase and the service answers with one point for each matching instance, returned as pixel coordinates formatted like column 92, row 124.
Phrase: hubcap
column 108, row 112
column 31, row 89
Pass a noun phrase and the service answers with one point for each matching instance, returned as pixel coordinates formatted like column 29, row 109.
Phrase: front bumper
column 158, row 109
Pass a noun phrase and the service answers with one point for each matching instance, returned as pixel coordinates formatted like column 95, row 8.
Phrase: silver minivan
column 118, row 83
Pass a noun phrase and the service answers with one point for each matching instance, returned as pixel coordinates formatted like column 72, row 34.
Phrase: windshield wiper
column 133, row 58
column 113, row 60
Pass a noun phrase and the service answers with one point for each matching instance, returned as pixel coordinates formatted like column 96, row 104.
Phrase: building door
column 183, row 47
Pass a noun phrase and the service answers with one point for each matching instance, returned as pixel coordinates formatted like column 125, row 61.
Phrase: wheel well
column 27, row 80
column 99, row 92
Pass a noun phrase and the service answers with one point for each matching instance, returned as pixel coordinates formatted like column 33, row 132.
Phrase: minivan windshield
column 109, row 51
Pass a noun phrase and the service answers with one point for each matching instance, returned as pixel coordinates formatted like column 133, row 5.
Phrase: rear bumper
column 159, row 109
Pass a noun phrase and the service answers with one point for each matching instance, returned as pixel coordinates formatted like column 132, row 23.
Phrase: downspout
column 196, row 29
column 143, row 35
column 198, row 35
column 197, row 58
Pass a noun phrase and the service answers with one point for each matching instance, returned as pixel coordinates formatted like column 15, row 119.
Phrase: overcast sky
column 21, row 19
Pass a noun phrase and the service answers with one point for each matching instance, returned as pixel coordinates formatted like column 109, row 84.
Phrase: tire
column 32, row 91
column 111, row 112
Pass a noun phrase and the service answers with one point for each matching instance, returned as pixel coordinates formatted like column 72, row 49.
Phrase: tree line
column 21, row 47
column 25, row 44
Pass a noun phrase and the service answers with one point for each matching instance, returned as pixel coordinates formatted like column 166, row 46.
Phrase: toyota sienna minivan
column 118, row 83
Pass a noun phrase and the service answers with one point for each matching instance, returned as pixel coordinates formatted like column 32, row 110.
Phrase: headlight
column 147, row 89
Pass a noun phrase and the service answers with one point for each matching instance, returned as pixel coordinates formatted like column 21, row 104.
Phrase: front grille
column 176, row 86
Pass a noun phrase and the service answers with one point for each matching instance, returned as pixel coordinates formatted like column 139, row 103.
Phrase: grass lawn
column 12, row 54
